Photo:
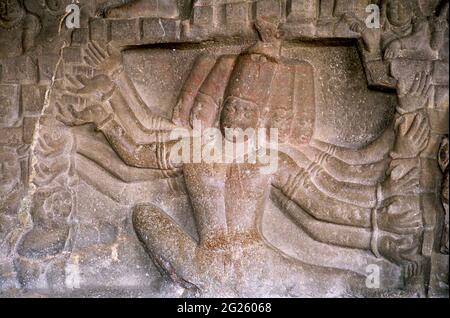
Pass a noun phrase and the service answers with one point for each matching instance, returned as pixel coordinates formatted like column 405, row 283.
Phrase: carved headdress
column 270, row 39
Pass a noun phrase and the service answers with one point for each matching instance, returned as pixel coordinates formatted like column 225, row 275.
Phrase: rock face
column 243, row 148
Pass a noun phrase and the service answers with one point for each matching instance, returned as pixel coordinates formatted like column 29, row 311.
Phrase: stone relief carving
column 443, row 163
column 127, row 8
column 18, row 28
column 104, row 142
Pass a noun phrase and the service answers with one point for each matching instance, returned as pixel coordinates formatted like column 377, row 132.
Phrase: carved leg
column 291, row 277
column 172, row 249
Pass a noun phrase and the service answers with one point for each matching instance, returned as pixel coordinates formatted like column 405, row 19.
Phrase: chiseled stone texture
column 94, row 204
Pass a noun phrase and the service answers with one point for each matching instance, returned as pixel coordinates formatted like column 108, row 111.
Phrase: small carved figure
column 18, row 29
column 50, row 211
column 11, row 192
column 424, row 40
column 50, row 13
column 403, row 32
column 9, row 174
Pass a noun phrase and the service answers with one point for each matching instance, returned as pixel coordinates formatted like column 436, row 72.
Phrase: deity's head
column 259, row 95
column 399, row 12
column 240, row 113
column 11, row 10
column 9, row 170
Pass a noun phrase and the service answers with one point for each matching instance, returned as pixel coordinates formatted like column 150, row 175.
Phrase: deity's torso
column 228, row 200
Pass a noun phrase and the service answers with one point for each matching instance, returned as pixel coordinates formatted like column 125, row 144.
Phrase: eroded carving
column 443, row 163
column 317, row 179
column 18, row 28
column 100, row 135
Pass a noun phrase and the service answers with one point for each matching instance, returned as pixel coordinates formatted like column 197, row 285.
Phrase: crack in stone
column 23, row 214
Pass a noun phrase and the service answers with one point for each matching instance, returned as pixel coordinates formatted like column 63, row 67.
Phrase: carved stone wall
column 93, row 203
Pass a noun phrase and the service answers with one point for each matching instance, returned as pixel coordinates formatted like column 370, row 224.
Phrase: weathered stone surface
column 115, row 178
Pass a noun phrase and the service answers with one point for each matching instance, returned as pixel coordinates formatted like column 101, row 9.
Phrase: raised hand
column 71, row 116
column 399, row 249
column 401, row 216
column 371, row 37
column 94, row 88
column 82, row 102
column 412, row 138
column 393, row 50
column 354, row 24
column 417, row 95
column 403, row 180
column 106, row 60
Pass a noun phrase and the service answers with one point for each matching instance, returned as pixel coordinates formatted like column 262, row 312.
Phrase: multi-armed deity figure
column 337, row 196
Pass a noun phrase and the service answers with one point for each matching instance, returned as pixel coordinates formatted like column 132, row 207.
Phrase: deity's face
column 10, row 10
column 239, row 113
column 399, row 12
column 9, row 171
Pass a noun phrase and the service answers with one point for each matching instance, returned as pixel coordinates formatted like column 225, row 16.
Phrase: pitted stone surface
column 94, row 203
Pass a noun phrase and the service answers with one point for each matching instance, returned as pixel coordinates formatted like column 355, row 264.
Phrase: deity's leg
column 171, row 247
column 261, row 268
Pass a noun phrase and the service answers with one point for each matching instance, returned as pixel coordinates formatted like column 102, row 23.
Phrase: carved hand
column 371, row 37
column 412, row 138
column 393, row 50
column 403, row 183
column 400, row 217
column 93, row 89
column 91, row 113
column 82, row 103
column 417, row 95
column 355, row 24
column 106, row 60
column 398, row 249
